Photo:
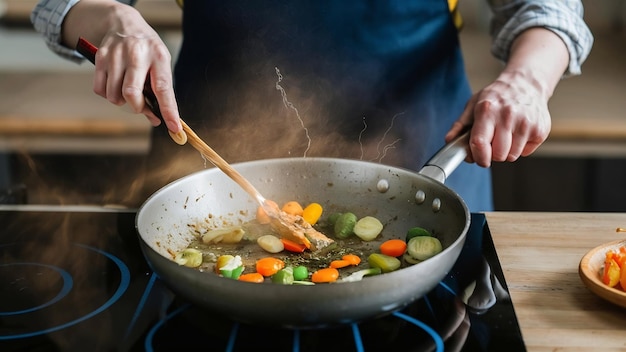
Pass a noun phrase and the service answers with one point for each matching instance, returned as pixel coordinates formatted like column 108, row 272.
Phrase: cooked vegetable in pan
column 251, row 252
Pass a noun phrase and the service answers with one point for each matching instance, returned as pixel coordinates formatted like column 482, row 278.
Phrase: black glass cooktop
column 74, row 279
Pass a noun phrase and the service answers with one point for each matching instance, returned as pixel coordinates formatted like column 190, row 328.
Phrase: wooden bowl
column 590, row 271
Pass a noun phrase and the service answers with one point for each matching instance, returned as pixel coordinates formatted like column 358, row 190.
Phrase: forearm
column 563, row 17
column 539, row 56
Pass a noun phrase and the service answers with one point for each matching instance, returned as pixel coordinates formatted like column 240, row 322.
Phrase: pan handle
column 448, row 158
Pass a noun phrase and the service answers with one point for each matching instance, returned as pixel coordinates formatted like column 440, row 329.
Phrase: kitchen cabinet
column 561, row 184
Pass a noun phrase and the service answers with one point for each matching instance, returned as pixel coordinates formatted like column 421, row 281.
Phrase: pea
column 344, row 227
column 300, row 273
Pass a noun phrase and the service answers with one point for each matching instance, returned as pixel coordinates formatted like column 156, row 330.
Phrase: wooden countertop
column 539, row 254
column 47, row 112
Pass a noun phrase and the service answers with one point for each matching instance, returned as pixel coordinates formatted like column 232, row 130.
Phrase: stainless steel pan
column 400, row 198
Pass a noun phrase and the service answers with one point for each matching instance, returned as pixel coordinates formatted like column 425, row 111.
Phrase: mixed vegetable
column 614, row 271
column 282, row 261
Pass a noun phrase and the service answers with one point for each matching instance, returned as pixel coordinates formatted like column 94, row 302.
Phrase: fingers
column 100, row 75
column 520, row 131
column 162, row 86
column 134, row 79
column 109, row 76
column 152, row 118
column 482, row 133
column 509, row 136
column 125, row 64
column 502, row 129
column 466, row 119
column 517, row 142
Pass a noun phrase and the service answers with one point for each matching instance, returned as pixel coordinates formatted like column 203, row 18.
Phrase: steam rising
column 262, row 124
column 29, row 279
column 289, row 105
column 276, row 116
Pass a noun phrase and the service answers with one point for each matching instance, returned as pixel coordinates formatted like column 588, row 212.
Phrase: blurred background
column 60, row 143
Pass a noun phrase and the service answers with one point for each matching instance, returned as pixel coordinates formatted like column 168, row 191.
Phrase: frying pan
column 400, row 198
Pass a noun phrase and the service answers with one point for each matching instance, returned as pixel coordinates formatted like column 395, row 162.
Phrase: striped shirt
column 510, row 18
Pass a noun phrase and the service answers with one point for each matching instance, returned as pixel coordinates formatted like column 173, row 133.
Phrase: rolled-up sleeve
column 47, row 18
column 563, row 17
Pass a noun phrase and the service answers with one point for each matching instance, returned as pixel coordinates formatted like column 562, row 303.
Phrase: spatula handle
column 88, row 50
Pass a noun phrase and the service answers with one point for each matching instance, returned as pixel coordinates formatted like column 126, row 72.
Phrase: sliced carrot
column 346, row 260
column 609, row 255
column 393, row 248
column 293, row 208
column 311, row 213
column 252, row 277
column 269, row 266
column 611, row 275
column 292, row 246
column 325, row 275
column 352, row 258
column 620, row 256
column 261, row 215
column 338, row 264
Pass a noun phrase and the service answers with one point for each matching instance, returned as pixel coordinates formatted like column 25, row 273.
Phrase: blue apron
column 379, row 80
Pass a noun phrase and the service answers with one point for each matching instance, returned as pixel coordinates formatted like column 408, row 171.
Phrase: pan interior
column 339, row 185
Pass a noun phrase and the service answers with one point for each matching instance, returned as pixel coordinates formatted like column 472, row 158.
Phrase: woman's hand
column 510, row 116
column 130, row 53
column 509, row 119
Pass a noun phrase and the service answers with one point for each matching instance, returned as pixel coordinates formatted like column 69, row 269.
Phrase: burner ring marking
column 124, row 283
column 67, row 286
